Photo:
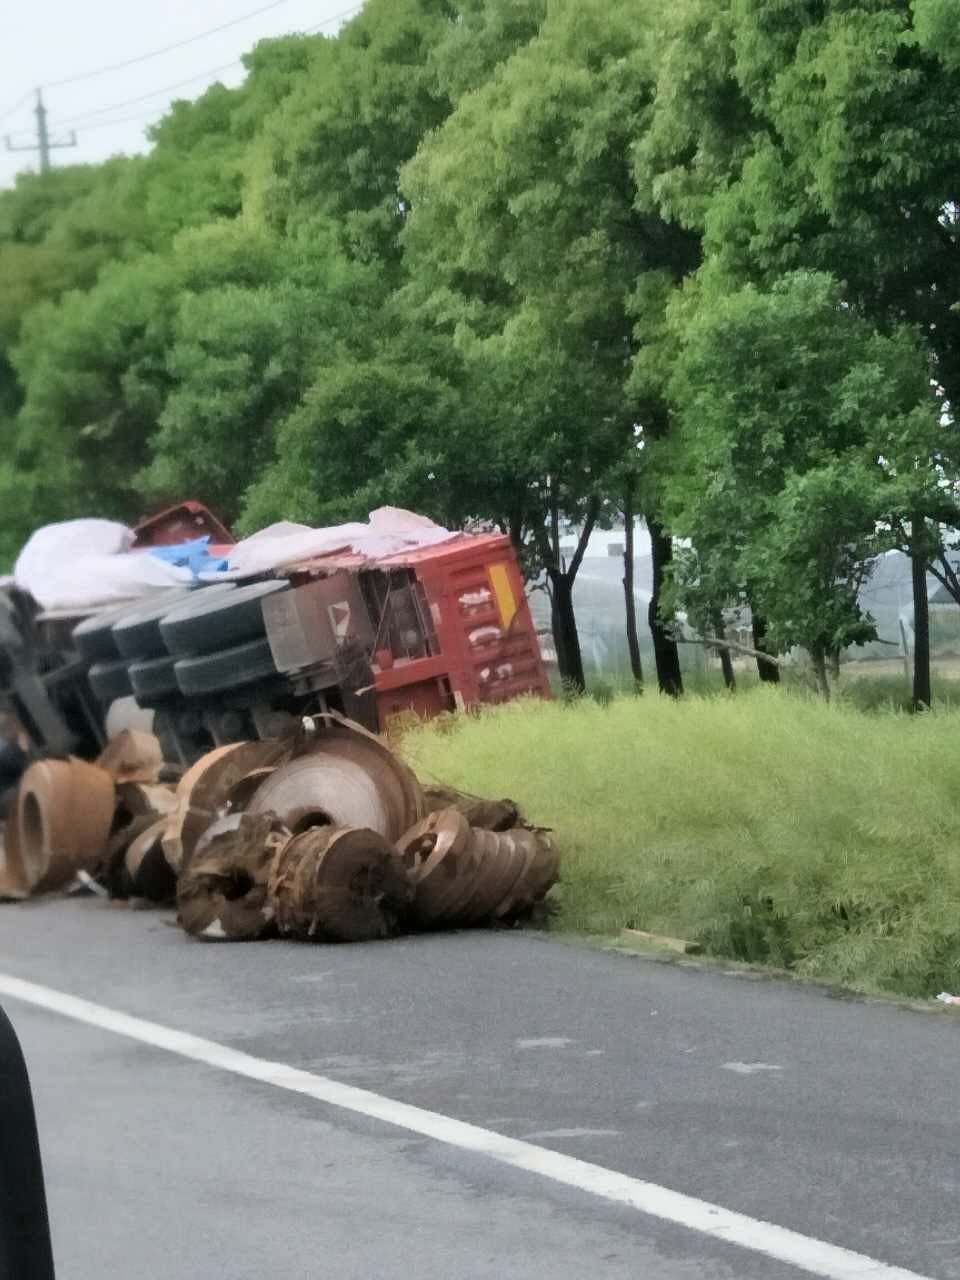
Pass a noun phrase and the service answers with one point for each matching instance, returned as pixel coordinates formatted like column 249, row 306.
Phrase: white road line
column 808, row 1254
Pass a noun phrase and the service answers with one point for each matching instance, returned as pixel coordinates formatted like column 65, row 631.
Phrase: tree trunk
column 921, row 625
column 835, row 664
column 726, row 660
column 633, row 640
column 819, row 657
column 562, row 617
column 768, row 672
column 665, row 651
column 566, row 637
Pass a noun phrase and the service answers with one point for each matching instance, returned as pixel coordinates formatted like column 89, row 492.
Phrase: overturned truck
column 283, row 626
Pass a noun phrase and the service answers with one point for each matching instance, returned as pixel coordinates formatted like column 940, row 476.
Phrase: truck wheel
column 153, row 679
column 94, row 636
column 213, row 623
column 110, row 680
column 214, row 672
column 137, row 634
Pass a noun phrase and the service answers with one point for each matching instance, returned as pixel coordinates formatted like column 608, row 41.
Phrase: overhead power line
column 16, row 106
column 167, row 48
column 154, row 93
column 202, row 75
column 155, row 115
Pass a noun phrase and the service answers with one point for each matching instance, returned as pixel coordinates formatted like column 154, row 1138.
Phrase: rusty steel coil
column 148, row 873
column 339, row 884
column 400, row 791
column 137, row 799
column 488, row 815
column 545, row 870
column 501, row 861
column 521, row 896
column 14, row 883
column 64, row 812
column 239, row 796
column 205, row 789
column 442, row 864
column 219, row 827
column 469, row 876
column 343, row 779
column 223, row 892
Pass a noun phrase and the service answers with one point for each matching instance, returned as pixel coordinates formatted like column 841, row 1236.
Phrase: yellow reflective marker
column 503, row 593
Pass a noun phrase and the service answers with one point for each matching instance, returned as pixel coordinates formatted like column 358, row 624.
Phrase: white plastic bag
column 81, row 564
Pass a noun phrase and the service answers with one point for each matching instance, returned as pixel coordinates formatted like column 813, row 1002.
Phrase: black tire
column 137, row 634
column 110, row 680
column 153, row 680
column 210, row 624
column 214, row 672
column 94, row 636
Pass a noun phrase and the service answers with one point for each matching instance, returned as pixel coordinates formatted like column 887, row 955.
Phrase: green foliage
column 335, row 148
column 526, row 249
column 484, row 34
column 353, row 442
column 771, row 827
column 801, row 435
column 93, row 372
column 801, row 135
column 938, row 29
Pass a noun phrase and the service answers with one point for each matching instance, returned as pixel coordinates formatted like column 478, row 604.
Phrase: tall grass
column 770, row 827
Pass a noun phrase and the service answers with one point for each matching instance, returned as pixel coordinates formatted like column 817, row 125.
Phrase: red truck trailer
column 432, row 629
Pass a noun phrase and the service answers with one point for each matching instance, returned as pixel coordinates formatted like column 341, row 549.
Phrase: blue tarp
column 193, row 555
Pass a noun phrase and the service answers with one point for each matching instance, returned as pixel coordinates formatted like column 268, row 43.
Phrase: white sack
column 81, row 564
column 389, row 531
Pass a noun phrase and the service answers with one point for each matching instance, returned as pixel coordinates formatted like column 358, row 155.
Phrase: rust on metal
column 14, row 882
column 342, row 777
column 521, row 897
column 339, row 884
column 138, row 798
column 205, row 789
column 545, row 871
column 488, row 815
column 148, row 873
column 468, row 875
column 442, row 864
column 63, row 815
column 220, row 826
column 223, row 892
column 500, row 862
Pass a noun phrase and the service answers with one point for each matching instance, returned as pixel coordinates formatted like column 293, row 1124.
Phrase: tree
column 244, row 347
column 817, row 136
column 527, row 248
column 938, row 29
column 335, row 148
column 481, row 36
column 816, row 555
column 92, row 372
column 805, row 441
column 359, row 438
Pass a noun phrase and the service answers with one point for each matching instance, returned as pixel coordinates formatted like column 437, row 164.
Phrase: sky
column 46, row 41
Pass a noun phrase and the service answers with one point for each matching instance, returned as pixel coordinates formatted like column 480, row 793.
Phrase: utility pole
column 43, row 143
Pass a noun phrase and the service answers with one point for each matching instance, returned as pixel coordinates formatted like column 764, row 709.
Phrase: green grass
column 769, row 826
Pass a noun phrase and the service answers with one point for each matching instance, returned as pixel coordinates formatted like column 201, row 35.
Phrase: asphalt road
column 834, row 1118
